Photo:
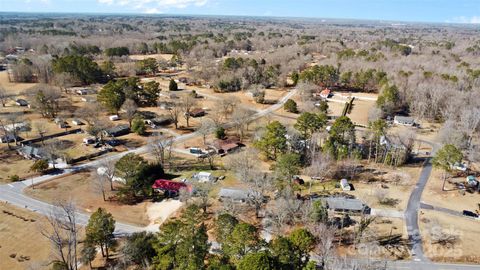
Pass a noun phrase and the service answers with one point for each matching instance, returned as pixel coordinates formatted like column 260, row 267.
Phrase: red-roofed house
column 170, row 187
column 226, row 146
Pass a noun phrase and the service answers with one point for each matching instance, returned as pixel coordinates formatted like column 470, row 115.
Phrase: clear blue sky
column 465, row 11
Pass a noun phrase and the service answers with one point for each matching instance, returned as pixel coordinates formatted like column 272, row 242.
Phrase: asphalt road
column 13, row 193
column 411, row 213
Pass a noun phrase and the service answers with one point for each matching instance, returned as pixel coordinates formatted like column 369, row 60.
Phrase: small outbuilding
column 345, row 185
column 77, row 122
column 204, row 177
column 197, row 112
column 114, row 117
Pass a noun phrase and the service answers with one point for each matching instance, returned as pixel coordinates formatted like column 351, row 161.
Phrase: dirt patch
column 159, row 212
column 13, row 88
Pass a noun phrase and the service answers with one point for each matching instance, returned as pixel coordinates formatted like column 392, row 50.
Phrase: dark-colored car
column 113, row 142
column 469, row 214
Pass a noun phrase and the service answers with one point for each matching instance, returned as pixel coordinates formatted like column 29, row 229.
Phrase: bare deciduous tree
column 3, row 96
column 62, row 232
column 129, row 108
column 187, row 103
column 175, row 110
column 161, row 146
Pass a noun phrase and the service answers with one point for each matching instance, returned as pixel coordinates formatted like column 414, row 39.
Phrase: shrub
column 40, row 166
column 173, row 86
column 290, row 106
column 220, row 133
column 138, row 126
column 14, row 178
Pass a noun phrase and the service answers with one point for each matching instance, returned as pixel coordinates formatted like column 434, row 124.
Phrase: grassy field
column 467, row 231
column 13, row 88
column 21, row 244
column 81, row 189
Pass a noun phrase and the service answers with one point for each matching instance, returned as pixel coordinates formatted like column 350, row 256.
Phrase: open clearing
column 13, row 88
column 22, row 239
column 467, row 231
column 80, row 188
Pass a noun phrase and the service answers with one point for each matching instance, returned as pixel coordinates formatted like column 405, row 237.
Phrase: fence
column 39, row 139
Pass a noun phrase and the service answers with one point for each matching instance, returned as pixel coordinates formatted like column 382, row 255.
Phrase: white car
column 460, row 167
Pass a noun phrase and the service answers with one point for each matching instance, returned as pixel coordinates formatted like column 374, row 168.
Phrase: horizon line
column 93, row 13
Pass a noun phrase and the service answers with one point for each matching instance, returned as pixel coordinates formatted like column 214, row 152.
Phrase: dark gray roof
column 124, row 129
column 345, row 204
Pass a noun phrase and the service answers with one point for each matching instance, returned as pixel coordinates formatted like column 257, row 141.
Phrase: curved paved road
column 13, row 193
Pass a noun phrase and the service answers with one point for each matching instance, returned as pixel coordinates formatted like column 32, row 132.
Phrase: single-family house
column 21, row 102
column 21, row 126
column 119, row 130
column 172, row 188
column 204, row 177
column 163, row 120
column 404, row 120
column 30, row 152
column 237, row 195
column 226, row 146
column 197, row 112
column 342, row 204
column 345, row 185
column 7, row 138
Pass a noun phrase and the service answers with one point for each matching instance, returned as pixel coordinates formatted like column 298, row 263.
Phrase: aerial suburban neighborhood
column 136, row 136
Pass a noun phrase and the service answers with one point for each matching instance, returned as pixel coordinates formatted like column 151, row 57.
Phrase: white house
column 204, row 177
column 345, row 185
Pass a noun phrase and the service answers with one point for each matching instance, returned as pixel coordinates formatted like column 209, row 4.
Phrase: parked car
column 195, row 150
column 469, row 214
column 113, row 142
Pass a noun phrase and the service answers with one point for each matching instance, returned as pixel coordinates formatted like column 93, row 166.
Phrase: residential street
column 13, row 193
